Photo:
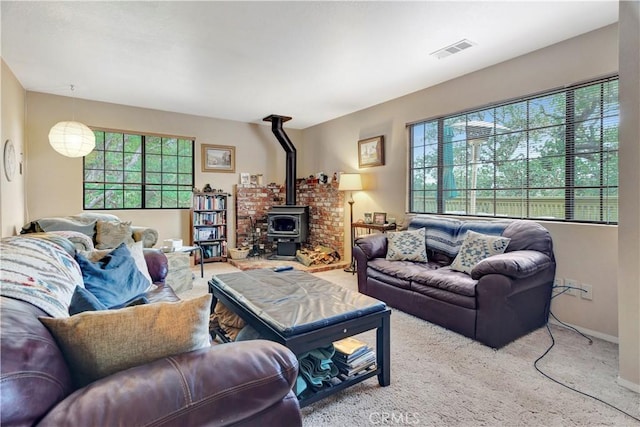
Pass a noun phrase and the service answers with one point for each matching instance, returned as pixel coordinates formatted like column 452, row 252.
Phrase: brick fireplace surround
column 326, row 206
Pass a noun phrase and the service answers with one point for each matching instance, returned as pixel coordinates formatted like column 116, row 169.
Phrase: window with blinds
column 137, row 171
column 550, row 156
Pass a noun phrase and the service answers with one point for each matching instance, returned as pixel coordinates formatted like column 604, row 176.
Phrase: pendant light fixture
column 71, row 138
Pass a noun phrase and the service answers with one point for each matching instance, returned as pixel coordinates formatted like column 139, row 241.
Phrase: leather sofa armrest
column 516, row 264
column 373, row 245
column 148, row 236
column 157, row 264
column 222, row 385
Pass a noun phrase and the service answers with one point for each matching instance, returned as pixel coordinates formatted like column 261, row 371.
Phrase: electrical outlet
column 558, row 282
column 574, row 287
column 587, row 292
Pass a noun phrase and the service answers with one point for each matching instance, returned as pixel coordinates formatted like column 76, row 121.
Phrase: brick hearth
column 326, row 208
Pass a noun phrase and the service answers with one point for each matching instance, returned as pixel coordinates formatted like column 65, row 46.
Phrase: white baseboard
column 628, row 384
column 610, row 338
column 595, row 334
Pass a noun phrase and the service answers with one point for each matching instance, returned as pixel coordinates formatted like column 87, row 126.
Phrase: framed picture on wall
column 371, row 152
column 218, row 158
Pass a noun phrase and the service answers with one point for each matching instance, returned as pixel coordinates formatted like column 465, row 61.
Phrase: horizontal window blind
column 549, row 156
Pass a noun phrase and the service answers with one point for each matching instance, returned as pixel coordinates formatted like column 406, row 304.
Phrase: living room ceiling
column 242, row 61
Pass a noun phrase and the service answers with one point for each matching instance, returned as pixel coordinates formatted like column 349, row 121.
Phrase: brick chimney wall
column 326, row 210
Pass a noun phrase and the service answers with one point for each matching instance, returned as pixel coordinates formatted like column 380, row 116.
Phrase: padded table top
column 294, row 301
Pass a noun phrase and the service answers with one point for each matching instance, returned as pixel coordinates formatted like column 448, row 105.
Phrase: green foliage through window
column 551, row 156
column 135, row 171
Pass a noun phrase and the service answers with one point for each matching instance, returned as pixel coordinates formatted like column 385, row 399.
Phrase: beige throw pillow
column 96, row 344
column 475, row 248
column 109, row 234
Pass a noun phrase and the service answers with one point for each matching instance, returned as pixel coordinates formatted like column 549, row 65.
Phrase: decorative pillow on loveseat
column 96, row 344
column 407, row 246
column 477, row 247
column 113, row 279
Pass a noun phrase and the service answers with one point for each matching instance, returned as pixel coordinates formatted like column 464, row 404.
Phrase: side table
column 365, row 228
column 190, row 249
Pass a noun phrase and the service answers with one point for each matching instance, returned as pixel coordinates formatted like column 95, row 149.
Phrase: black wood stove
column 287, row 225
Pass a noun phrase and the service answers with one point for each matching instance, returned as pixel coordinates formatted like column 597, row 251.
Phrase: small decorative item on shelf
column 368, row 217
column 379, row 218
column 207, row 188
column 245, row 178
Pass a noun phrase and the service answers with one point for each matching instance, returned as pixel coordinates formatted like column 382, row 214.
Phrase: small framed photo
column 379, row 218
column 371, row 152
column 244, row 178
column 218, row 158
column 368, row 217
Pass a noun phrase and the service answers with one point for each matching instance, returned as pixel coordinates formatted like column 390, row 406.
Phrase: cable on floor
column 553, row 342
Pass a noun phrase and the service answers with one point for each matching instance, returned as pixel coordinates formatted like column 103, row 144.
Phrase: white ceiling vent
column 451, row 49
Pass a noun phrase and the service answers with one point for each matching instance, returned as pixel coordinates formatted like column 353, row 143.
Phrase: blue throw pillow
column 83, row 300
column 114, row 279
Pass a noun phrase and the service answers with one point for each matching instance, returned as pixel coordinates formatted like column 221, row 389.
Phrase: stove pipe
column 290, row 150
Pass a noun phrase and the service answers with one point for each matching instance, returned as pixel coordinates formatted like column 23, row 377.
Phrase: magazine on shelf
column 349, row 345
column 348, row 358
column 343, row 376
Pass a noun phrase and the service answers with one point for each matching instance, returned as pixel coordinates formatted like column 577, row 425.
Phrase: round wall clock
column 9, row 160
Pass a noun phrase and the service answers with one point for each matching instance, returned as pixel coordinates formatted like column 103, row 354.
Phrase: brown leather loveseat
column 499, row 299
column 238, row 384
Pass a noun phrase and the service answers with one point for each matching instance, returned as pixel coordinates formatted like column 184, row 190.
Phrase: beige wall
column 55, row 182
column 585, row 253
column 11, row 127
column 629, row 229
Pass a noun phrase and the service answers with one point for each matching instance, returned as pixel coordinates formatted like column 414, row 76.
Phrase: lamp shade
column 350, row 182
column 72, row 139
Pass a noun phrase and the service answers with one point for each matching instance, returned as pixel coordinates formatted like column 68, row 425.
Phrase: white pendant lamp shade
column 72, row 139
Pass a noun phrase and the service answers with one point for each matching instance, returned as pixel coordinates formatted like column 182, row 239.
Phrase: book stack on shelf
column 353, row 357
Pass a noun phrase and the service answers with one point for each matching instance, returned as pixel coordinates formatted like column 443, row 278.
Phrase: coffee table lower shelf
column 320, row 337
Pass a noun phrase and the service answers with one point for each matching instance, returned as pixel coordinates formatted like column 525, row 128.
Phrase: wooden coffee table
column 304, row 312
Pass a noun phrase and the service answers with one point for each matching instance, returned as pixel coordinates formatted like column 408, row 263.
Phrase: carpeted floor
column 439, row 378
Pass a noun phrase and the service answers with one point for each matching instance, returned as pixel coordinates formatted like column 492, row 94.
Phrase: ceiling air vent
column 451, row 49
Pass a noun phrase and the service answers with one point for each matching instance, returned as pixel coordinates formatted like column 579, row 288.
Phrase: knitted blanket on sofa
column 39, row 272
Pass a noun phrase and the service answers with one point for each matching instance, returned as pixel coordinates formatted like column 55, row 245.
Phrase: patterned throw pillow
column 477, row 247
column 109, row 234
column 99, row 343
column 407, row 246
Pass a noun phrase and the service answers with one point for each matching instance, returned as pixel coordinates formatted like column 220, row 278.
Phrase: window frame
column 143, row 182
column 435, row 172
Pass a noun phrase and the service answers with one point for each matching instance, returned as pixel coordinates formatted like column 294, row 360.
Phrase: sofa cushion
column 87, row 228
column 407, row 246
column 109, row 234
column 115, row 278
column 96, row 344
column 477, row 247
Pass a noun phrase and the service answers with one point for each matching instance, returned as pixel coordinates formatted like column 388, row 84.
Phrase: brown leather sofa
column 241, row 384
column 504, row 297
